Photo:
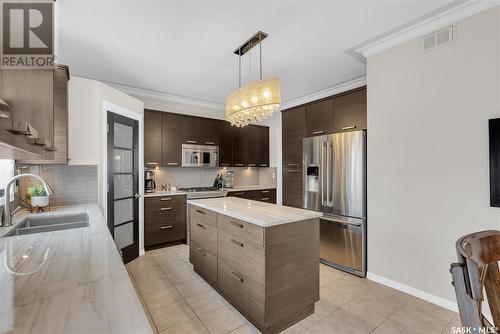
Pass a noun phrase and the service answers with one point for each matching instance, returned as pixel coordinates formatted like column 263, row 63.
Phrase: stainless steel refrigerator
column 335, row 184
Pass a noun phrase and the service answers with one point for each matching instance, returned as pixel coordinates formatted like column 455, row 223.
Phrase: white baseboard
column 142, row 252
column 414, row 292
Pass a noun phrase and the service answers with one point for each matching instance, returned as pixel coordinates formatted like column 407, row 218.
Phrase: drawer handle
column 165, row 209
column 202, row 251
column 349, row 127
column 209, row 143
column 265, row 191
column 236, row 242
column 166, row 199
column 251, row 165
column 263, row 165
column 292, row 164
column 167, row 227
column 202, row 226
column 172, row 163
column 238, row 165
column 199, row 211
column 265, row 199
column 293, row 171
column 223, row 164
column 151, row 163
column 238, row 276
column 318, row 132
column 236, row 224
column 191, row 141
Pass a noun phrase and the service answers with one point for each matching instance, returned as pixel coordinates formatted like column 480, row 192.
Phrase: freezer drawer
column 342, row 244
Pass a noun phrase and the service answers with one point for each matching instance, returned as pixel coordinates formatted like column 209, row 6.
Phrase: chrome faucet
column 7, row 219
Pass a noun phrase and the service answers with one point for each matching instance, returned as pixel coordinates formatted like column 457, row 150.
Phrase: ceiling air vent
column 438, row 38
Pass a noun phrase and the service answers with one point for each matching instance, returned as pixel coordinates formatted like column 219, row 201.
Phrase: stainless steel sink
column 47, row 222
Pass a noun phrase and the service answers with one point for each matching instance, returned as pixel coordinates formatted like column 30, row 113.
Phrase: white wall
column 89, row 101
column 428, row 176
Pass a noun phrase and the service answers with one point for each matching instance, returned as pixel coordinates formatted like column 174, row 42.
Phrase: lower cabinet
column 164, row 219
column 293, row 194
column 261, row 195
column 270, row 274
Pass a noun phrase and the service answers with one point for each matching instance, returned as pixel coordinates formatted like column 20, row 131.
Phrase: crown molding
column 435, row 22
column 337, row 89
column 167, row 97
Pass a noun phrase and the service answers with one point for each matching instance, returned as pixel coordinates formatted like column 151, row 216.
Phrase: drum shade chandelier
column 258, row 99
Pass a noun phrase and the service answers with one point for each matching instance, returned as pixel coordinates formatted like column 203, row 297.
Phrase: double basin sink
column 48, row 222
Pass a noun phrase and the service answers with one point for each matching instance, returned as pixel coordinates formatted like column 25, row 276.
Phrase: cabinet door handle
column 238, row 165
column 151, row 163
column 265, row 199
column 350, row 127
column 236, row 224
column 202, row 251
column 263, row 165
column 209, row 143
column 318, row 132
column 238, row 276
column 294, row 171
column 199, row 211
column 167, row 227
column 265, row 191
column 191, row 141
column 236, row 242
column 172, row 163
column 166, row 199
column 223, row 164
column 251, row 165
column 201, row 225
column 166, row 209
column 292, row 164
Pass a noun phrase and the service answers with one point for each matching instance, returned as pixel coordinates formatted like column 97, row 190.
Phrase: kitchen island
column 263, row 258
column 68, row 281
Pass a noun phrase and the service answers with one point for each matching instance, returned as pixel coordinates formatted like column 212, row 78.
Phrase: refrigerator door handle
column 328, row 172
column 324, row 170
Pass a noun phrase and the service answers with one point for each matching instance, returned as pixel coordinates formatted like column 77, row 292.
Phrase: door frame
column 108, row 106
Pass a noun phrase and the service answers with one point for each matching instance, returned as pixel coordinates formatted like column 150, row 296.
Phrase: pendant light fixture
column 258, row 99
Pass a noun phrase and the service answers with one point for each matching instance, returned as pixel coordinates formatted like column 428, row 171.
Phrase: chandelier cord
column 239, row 68
column 260, row 55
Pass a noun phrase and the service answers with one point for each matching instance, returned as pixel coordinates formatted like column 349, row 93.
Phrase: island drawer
column 202, row 215
column 243, row 291
column 203, row 262
column 241, row 230
column 245, row 256
column 204, row 233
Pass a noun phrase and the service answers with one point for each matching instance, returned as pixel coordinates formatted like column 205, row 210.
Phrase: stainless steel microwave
column 200, row 156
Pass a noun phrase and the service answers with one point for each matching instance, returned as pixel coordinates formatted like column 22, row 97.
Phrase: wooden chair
column 477, row 271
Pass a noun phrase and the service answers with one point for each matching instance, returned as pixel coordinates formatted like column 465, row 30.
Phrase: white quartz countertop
column 254, row 212
column 165, row 193
column 70, row 281
column 247, row 188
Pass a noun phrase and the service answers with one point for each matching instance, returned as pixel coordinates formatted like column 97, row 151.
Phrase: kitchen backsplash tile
column 204, row 177
column 71, row 184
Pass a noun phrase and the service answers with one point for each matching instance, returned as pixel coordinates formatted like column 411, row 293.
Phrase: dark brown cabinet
column 226, row 132
column 153, row 138
column 164, row 220
column 263, row 146
column 171, row 140
column 293, row 194
column 199, row 131
column 261, row 195
column 293, row 131
column 349, row 111
column 239, row 147
column 319, row 118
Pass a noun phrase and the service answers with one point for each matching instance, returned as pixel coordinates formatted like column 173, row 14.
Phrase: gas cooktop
column 195, row 189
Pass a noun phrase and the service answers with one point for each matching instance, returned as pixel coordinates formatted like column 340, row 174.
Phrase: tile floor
column 177, row 300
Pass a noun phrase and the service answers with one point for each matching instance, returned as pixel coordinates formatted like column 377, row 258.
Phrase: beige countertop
column 70, row 281
column 248, row 188
column 165, row 193
column 258, row 213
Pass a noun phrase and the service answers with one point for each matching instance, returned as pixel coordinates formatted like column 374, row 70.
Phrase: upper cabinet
column 153, row 138
column 293, row 130
column 171, row 140
column 349, row 111
column 37, row 129
column 319, row 118
column 199, row 131
column 164, row 134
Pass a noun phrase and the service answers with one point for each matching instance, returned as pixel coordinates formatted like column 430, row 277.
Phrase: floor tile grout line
column 138, row 289
column 399, row 309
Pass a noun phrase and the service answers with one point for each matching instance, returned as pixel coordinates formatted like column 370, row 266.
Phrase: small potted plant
column 38, row 196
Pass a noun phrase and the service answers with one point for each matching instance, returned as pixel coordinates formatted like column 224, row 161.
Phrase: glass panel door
column 123, row 185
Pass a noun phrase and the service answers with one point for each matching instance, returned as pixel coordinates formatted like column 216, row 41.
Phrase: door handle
column 238, row 276
column 167, row 227
column 236, row 242
column 328, row 172
column 137, row 195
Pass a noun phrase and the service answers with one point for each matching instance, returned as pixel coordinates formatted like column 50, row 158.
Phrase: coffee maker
column 149, row 181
